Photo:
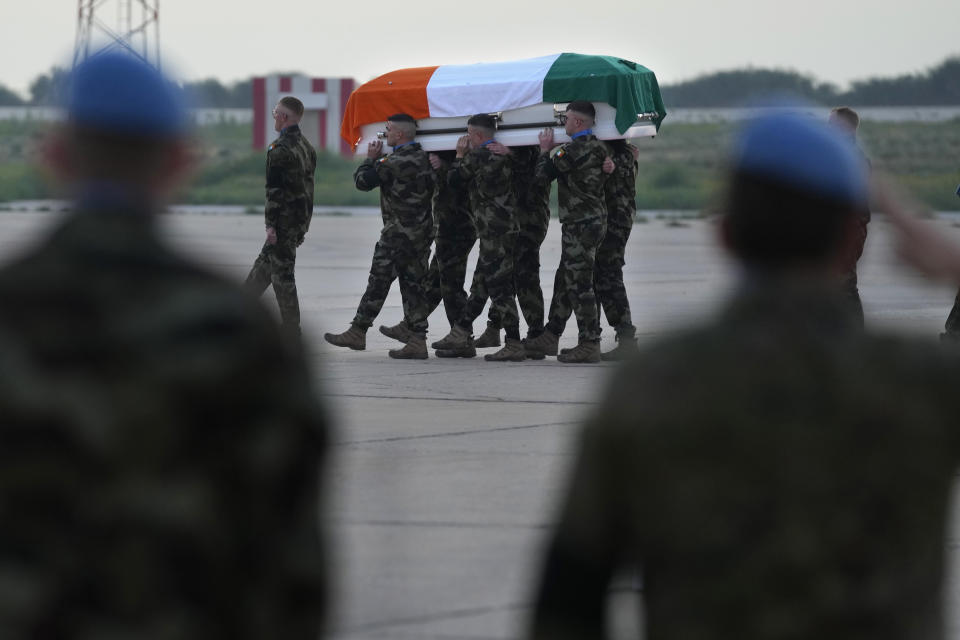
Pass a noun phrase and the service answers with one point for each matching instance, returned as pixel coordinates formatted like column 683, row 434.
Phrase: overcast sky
column 832, row 40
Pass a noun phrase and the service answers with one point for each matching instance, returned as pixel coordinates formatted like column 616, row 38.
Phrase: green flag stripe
column 626, row 86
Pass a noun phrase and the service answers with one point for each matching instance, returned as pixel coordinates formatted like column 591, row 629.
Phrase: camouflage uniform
column 796, row 487
column 620, row 192
column 578, row 168
column 291, row 164
column 406, row 183
column 159, row 447
column 952, row 325
column 456, row 235
column 849, row 268
column 490, row 181
column 533, row 218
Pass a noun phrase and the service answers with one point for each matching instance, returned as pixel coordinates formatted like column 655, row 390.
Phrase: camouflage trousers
column 526, row 280
column 608, row 280
column 447, row 274
column 400, row 254
column 274, row 266
column 573, row 291
column 493, row 279
column 849, row 277
column 953, row 320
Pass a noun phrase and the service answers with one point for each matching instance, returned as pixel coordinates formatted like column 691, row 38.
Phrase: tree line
column 937, row 86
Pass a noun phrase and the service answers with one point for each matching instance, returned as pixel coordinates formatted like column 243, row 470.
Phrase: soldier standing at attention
column 580, row 167
column 847, row 121
column 160, row 438
column 620, row 193
column 406, row 182
column 489, row 178
column 291, row 164
column 798, row 484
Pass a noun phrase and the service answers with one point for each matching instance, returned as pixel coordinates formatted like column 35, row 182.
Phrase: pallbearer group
column 500, row 197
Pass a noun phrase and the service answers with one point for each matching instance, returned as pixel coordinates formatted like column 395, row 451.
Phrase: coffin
column 524, row 96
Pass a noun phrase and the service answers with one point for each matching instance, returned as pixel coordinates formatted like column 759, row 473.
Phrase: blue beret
column 796, row 150
column 115, row 91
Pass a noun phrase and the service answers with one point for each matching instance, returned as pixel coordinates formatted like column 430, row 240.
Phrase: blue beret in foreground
column 799, row 151
column 117, row 92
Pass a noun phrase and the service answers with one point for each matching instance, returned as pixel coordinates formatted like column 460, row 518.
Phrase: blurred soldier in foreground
column 406, row 180
column 580, row 167
column 847, row 121
column 797, row 483
column 952, row 326
column 160, row 440
column 291, row 164
column 489, row 179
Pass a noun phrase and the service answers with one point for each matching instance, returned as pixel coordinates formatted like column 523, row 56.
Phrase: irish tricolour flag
column 450, row 91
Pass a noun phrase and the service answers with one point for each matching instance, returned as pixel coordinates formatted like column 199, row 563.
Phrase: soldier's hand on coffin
column 546, row 139
column 609, row 165
column 374, row 149
column 435, row 161
column 499, row 148
column 463, row 145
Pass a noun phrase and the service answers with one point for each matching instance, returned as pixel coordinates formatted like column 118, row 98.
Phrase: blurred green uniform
column 160, row 446
column 773, row 474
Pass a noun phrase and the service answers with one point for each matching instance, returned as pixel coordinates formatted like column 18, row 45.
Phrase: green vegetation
column 681, row 169
column 937, row 86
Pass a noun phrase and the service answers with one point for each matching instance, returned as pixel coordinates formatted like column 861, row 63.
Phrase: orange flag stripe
column 401, row 91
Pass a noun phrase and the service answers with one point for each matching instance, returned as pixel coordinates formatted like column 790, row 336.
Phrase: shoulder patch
column 270, row 148
column 561, row 153
column 383, row 159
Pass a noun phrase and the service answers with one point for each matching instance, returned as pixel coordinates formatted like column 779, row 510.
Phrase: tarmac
column 446, row 473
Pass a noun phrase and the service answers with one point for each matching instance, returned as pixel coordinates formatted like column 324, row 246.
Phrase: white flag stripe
column 466, row 89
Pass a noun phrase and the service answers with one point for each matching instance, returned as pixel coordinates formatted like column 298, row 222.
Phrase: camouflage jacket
column 291, row 164
column 533, row 196
column 489, row 178
column 795, row 485
column 159, row 448
column 578, row 168
column 451, row 206
column 406, row 182
column 620, row 189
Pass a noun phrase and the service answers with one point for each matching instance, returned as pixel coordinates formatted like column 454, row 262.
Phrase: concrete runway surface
column 446, row 473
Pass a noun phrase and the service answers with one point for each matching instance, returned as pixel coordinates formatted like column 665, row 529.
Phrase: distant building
column 323, row 99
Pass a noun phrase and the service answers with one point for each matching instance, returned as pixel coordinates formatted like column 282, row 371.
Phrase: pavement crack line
column 434, row 617
column 584, row 403
column 426, row 524
column 454, row 434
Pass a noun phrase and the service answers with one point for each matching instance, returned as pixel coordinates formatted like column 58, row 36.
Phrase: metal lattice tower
column 136, row 30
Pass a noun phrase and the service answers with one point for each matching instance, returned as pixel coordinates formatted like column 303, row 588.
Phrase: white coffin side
column 517, row 127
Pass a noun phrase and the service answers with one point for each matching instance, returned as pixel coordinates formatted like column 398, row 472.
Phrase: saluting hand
column 374, row 149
